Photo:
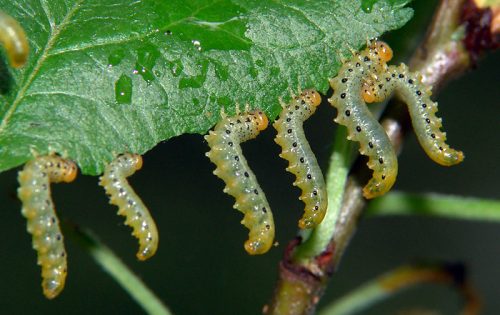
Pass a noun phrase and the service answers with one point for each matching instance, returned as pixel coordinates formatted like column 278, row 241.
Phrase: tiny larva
column 43, row 224
column 361, row 125
column 130, row 205
column 13, row 39
column 422, row 110
column 301, row 159
column 232, row 167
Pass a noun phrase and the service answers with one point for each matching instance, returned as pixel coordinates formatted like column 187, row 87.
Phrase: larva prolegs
column 241, row 183
column 130, row 205
column 14, row 40
column 301, row 160
column 43, row 224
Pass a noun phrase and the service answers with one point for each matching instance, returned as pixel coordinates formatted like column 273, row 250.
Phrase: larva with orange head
column 412, row 91
column 232, row 167
column 114, row 181
column 353, row 113
column 14, row 40
column 43, row 224
column 301, row 159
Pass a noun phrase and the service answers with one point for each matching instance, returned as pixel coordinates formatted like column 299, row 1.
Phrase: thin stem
column 402, row 279
column 455, row 207
column 336, row 177
column 104, row 257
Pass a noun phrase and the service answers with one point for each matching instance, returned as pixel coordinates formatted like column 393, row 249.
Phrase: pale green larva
column 13, row 39
column 361, row 124
column 43, row 224
column 422, row 110
column 232, row 167
column 114, row 181
column 301, row 159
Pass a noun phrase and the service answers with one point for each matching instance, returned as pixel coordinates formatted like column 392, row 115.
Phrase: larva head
column 69, row 172
column 136, row 161
column 312, row 97
column 261, row 119
column 383, row 51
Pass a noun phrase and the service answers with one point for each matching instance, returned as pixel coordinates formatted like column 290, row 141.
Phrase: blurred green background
column 201, row 267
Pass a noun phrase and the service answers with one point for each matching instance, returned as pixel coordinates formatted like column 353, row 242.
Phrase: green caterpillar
column 225, row 152
column 130, row 205
column 43, row 224
column 298, row 153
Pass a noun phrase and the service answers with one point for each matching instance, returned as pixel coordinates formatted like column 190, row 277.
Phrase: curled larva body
column 43, row 224
column 422, row 111
column 232, row 167
column 14, row 40
column 130, row 205
column 361, row 125
column 301, row 159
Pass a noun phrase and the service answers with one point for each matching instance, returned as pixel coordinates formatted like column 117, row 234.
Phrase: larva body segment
column 361, row 125
column 232, row 167
column 114, row 181
column 14, row 40
column 422, row 111
column 43, row 224
column 301, row 159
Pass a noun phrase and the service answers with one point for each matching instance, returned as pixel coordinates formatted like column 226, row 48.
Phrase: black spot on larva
column 344, row 80
column 53, row 219
column 419, row 93
column 383, row 176
column 316, row 208
column 381, row 160
column 58, row 237
column 289, row 131
column 427, row 120
column 410, row 81
column 358, row 64
column 130, row 202
column 366, row 58
column 228, row 131
column 348, row 113
column 237, row 158
column 264, row 209
column 255, row 191
column 294, row 144
column 388, row 79
column 401, row 75
column 246, row 174
column 315, row 192
column 350, row 69
column 441, row 148
column 370, row 145
column 297, row 107
column 230, row 143
column 301, row 160
column 238, row 121
column 358, row 128
column 63, row 254
column 303, row 102
column 380, row 86
column 309, row 176
column 288, row 119
column 268, row 226
column 433, row 136
column 393, row 75
column 424, row 105
column 342, row 95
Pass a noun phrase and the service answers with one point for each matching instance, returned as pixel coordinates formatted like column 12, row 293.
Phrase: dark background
column 201, row 267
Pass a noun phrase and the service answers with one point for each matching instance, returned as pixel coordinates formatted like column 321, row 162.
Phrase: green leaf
column 113, row 76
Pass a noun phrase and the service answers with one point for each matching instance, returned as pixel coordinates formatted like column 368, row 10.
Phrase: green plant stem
column 455, row 207
column 111, row 264
column 336, row 177
column 401, row 279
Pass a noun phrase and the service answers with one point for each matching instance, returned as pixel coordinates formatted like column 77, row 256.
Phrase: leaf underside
column 114, row 76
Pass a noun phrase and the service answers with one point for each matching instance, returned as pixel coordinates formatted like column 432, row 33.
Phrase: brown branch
column 443, row 55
